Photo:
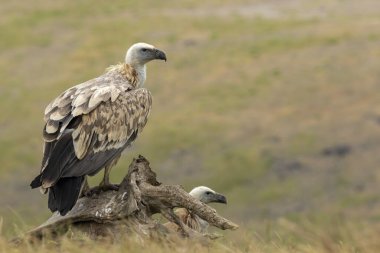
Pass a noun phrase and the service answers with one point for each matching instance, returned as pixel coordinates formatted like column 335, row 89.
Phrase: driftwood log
column 130, row 209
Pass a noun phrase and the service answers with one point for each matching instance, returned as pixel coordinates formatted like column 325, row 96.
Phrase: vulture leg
column 105, row 185
column 85, row 189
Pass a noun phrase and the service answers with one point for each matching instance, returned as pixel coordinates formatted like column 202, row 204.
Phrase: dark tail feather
column 52, row 171
column 61, row 155
column 64, row 194
column 36, row 182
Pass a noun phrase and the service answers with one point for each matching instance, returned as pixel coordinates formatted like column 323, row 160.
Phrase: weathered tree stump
column 130, row 209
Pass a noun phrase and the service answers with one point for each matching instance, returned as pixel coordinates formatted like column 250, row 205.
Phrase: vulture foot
column 101, row 188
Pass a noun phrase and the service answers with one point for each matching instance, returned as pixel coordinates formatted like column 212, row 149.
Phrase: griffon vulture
column 205, row 195
column 89, row 125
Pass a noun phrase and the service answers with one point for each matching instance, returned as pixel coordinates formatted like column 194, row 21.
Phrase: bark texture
column 130, row 209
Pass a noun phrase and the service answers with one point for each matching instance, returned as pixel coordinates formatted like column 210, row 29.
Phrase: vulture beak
column 219, row 198
column 160, row 55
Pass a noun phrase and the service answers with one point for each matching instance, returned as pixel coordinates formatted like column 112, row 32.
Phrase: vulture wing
column 87, row 128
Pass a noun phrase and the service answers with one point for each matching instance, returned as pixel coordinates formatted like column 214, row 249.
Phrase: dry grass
column 281, row 236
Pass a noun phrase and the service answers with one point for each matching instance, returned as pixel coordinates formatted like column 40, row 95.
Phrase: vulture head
column 207, row 195
column 142, row 53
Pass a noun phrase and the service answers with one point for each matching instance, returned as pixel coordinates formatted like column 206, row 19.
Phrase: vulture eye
column 144, row 49
column 208, row 193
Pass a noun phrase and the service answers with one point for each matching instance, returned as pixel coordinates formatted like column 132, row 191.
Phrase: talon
column 109, row 187
column 92, row 191
column 101, row 188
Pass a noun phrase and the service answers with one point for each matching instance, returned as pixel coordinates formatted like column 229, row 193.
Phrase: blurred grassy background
column 273, row 103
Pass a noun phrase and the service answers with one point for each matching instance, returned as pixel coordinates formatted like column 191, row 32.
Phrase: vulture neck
column 139, row 70
column 141, row 74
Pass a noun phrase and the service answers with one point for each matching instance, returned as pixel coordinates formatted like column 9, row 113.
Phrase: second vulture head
column 207, row 195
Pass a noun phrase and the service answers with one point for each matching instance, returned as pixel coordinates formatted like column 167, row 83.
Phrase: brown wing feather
column 112, row 123
column 106, row 111
column 85, row 99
